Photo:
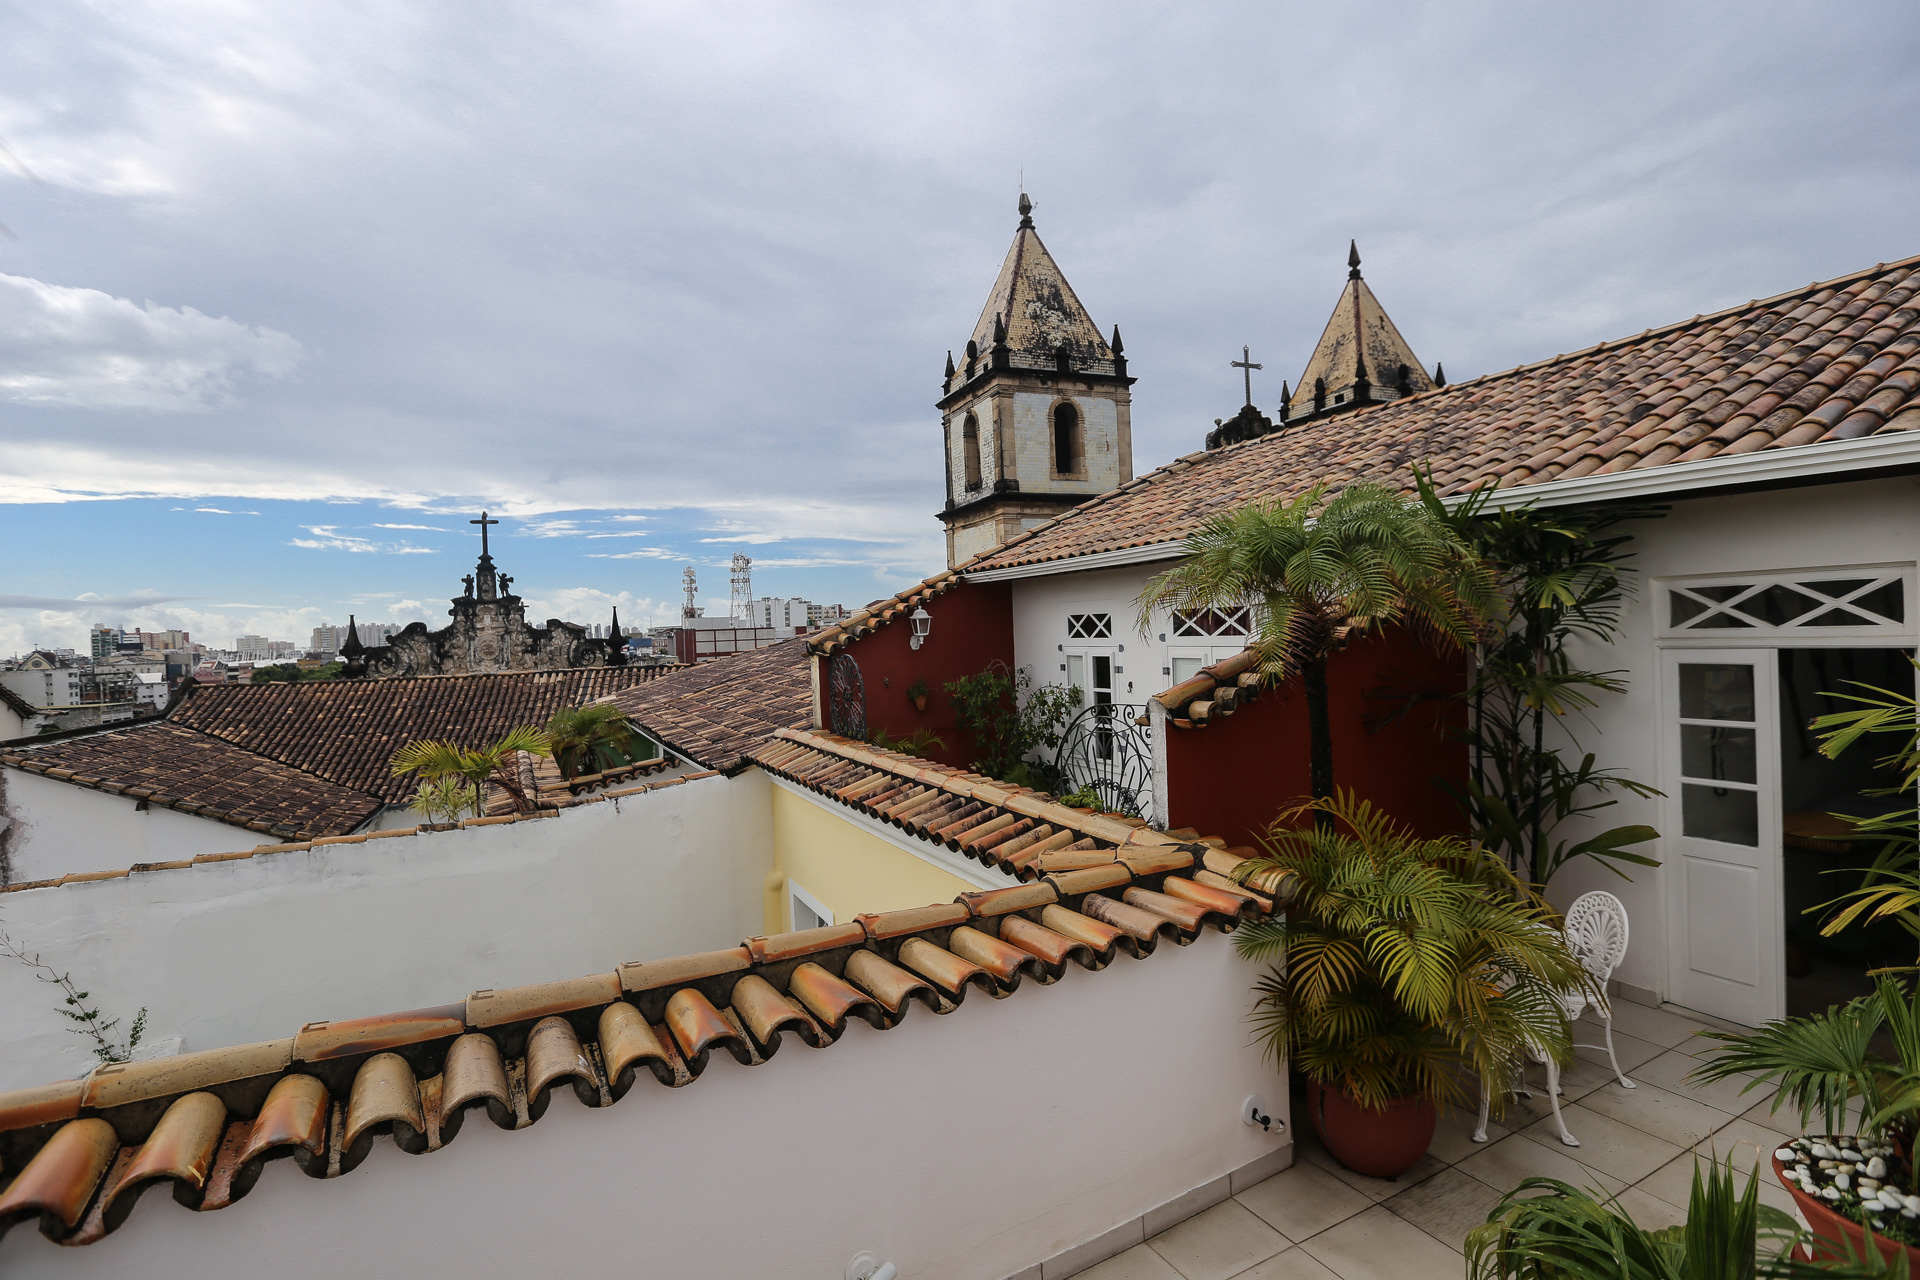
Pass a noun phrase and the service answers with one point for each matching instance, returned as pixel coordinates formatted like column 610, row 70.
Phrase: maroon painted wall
column 1230, row 778
column 972, row 626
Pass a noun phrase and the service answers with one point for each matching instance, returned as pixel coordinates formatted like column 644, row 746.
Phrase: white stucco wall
column 231, row 952
column 62, row 829
column 964, row 1147
column 1827, row 526
column 1040, row 608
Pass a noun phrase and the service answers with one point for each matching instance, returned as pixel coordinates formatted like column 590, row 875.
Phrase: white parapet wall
column 1056, row 1126
column 62, row 828
column 236, row 951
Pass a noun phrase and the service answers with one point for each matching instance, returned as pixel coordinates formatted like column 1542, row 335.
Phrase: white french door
column 1720, row 761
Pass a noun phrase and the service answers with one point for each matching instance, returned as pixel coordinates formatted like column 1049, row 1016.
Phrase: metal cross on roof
column 483, row 522
column 1246, row 363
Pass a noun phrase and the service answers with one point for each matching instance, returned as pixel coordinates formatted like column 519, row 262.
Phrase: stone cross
column 1245, row 363
column 483, row 522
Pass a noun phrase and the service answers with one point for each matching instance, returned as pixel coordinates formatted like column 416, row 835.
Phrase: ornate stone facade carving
column 489, row 632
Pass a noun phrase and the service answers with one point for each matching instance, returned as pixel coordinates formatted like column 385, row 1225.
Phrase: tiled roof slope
column 881, row 612
column 1025, row 833
column 1041, row 312
column 16, row 704
column 717, row 713
column 1833, row 361
column 77, row 1154
column 550, row 806
column 348, row 730
column 180, row 768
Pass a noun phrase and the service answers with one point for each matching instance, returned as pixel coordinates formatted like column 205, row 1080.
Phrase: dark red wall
column 972, row 626
column 1230, row 778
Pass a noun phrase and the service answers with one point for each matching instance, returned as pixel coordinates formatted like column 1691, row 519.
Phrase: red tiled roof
column 718, row 712
column 179, row 768
column 881, row 612
column 1025, row 833
column 1834, row 361
column 348, row 730
column 78, row 1153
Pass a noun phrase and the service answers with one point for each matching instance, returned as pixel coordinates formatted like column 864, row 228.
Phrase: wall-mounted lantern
column 922, row 623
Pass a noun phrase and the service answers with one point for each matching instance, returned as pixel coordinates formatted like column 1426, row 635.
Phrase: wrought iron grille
column 1104, row 749
column 846, row 698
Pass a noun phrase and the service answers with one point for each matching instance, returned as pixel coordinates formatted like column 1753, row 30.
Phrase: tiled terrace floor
column 1318, row 1221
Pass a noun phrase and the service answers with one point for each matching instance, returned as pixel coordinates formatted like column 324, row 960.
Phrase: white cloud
column 327, row 537
column 68, row 347
column 430, row 528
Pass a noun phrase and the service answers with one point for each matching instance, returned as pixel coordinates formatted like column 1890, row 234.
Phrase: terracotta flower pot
column 1836, row 1233
column 920, row 703
column 1380, row 1144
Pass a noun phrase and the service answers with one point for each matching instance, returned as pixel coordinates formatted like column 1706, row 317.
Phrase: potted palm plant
column 1403, row 967
column 433, row 760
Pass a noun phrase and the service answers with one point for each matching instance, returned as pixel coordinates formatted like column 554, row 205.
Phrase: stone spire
column 616, row 642
column 1361, row 357
column 1032, row 309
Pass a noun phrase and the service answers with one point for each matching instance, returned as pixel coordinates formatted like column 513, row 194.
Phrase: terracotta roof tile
column 347, row 730
column 177, row 767
column 1797, row 369
column 206, row 1122
column 717, row 713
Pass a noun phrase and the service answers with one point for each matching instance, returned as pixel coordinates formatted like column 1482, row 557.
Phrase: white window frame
column 796, row 894
column 1793, row 633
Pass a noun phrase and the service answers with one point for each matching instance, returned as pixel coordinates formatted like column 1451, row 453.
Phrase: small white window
column 1813, row 601
column 1212, row 622
column 805, row 910
column 1089, row 626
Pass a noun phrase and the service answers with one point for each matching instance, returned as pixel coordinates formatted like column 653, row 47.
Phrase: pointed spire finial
column 1026, row 210
column 1119, row 348
column 1439, row 375
column 949, row 365
column 1353, row 259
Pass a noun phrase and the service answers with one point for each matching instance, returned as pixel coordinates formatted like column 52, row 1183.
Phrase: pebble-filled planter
column 1841, row 1182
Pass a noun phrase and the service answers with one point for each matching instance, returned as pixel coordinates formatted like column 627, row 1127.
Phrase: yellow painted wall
column 845, row 869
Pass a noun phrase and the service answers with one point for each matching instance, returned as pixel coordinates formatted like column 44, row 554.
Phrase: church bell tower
column 1036, row 417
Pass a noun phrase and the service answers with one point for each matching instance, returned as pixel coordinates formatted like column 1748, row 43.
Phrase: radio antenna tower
column 742, row 587
column 688, row 610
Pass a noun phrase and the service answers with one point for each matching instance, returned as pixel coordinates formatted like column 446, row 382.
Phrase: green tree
column 1318, row 570
column 1010, row 718
column 590, row 739
column 433, row 760
column 1560, row 576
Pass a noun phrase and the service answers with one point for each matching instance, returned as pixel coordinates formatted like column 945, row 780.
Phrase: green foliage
column 921, row 742
column 433, row 760
column 74, row 1007
column 1560, row 576
column 1825, row 1061
column 590, row 739
column 446, row 799
column 1087, row 797
column 1545, row 1229
column 1010, row 718
column 290, row 672
column 1405, row 963
column 1318, row 570
column 918, row 689
column 1890, row 889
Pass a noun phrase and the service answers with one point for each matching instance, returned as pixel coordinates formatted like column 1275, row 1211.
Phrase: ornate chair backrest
column 1596, row 931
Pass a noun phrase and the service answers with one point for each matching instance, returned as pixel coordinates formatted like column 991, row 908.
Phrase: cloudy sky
column 287, row 290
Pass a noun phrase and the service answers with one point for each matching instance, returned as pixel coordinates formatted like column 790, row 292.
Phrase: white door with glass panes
column 1089, row 654
column 1721, row 835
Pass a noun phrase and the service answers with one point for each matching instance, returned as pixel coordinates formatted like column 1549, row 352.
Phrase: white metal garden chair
column 1596, row 933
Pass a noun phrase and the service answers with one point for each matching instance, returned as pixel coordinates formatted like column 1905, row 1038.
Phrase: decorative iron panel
column 846, row 698
column 1104, row 749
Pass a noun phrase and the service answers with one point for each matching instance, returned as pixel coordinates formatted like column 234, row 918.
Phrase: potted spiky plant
column 1403, row 967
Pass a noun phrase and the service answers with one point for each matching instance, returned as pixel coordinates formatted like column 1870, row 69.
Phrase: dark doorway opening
column 1819, row 799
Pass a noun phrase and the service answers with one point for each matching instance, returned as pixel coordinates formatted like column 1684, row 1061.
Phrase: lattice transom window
column 1089, row 626
column 1845, row 599
column 1212, row 622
